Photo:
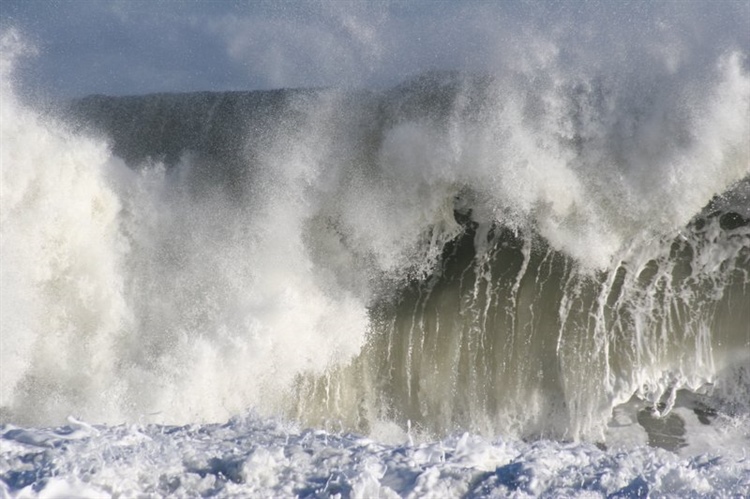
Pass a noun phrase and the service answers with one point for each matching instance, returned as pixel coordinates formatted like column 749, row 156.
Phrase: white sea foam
column 256, row 457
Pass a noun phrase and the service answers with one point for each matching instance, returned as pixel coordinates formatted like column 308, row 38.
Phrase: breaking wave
column 518, row 252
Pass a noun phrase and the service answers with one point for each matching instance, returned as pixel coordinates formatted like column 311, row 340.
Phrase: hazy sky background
column 140, row 46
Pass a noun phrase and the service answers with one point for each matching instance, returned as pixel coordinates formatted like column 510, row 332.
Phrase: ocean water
column 524, row 282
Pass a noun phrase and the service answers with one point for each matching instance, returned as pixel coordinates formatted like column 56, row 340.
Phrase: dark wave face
column 509, row 334
column 514, row 252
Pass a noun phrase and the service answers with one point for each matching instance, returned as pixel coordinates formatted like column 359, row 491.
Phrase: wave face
column 516, row 252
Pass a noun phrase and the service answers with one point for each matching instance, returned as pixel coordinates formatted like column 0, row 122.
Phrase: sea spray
column 132, row 293
column 513, row 252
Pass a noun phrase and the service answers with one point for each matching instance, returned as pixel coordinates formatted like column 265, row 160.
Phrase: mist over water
column 514, row 249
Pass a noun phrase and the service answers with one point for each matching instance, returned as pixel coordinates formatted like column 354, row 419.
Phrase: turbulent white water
column 251, row 457
column 554, row 251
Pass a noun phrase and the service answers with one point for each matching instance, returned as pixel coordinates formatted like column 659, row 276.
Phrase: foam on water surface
column 259, row 457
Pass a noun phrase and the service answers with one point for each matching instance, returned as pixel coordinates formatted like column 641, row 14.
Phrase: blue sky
column 140, row 46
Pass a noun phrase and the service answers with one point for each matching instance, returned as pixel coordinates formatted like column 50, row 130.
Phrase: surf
column 535, row 254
